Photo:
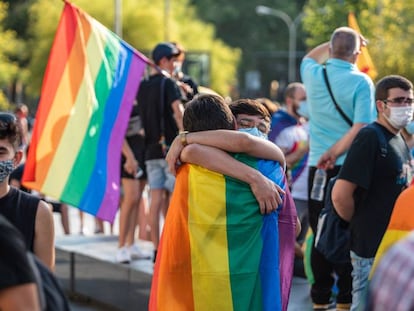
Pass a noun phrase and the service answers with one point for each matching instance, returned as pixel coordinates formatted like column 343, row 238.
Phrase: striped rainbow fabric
column 217, row 252
column 89, row 86
column 400, row 225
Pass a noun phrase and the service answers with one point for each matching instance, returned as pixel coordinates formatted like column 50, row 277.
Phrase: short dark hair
column 390, row 82
column 10, row 129
column 250, row 107
column 207, row 112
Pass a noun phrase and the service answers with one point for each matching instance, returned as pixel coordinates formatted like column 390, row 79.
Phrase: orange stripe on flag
column 60, row 110
column 364, row 61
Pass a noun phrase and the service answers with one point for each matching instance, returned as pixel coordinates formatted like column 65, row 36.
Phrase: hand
column 267, row 194
column 131, row 166
column 362, row 41
column 173, row 155
column 327, row 161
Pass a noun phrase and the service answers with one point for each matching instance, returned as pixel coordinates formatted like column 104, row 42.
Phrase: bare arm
column 178, row 110
column 328, row 159
column 320, row 53
column 267, row 193
column 227, row 140
column 44, row 240
column 343, row 199
column 131, row 164
column 20, row 298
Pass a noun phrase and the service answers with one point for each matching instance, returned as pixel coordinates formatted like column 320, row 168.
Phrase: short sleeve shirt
column 379, row 181
column 354, row 92
column 152, row 105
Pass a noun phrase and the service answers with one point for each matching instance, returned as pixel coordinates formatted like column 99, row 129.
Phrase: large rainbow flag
column 89, row 86
column 400, row 225
column 217, row 252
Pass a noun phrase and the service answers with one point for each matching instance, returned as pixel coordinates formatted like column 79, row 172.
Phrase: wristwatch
column 183, row 138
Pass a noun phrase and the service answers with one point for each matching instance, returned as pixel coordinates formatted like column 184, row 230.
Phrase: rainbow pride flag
column 400, row 225
column 89, row 87
column 217, row 252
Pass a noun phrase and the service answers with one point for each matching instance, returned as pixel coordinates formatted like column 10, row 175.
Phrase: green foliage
column 9, row 70
column 386, row 24
column 143, row 28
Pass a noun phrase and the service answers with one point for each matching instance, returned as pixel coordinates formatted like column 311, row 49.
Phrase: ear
column 380, row 105
column 17, row 158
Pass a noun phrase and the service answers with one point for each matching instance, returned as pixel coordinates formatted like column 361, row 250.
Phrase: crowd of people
column 250, row 240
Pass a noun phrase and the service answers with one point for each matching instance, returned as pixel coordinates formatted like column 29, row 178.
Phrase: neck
column 388, row 126
column 4, row 187
column 292, row 112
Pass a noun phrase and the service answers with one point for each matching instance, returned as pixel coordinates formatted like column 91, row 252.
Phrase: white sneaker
column 137, row 253
column 122, row 255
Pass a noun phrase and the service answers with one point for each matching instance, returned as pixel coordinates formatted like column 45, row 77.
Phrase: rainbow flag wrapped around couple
column 217, row 252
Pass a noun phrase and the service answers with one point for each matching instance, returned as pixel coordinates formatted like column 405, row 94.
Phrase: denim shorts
column 361, row 268
column 159, row 177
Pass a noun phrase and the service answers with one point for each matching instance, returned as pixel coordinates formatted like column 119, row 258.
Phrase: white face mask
column 400, row 116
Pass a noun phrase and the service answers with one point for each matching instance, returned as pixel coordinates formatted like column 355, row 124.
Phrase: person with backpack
column 369, row 183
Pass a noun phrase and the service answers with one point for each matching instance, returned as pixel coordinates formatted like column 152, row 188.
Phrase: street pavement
column 79, row 303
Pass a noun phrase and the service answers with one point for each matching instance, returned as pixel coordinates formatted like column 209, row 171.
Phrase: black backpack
column 51, row 295
column 332, row 237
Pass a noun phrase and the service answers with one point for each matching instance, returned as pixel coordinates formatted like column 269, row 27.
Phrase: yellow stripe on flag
column 364, row 61
column 208, row 239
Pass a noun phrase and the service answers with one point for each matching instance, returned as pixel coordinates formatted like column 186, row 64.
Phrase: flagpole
column 118, row 18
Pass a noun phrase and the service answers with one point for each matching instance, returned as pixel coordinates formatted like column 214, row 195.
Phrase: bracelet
column 183, row 138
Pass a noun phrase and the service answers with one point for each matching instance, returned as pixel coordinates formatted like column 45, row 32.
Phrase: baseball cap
column 164, row 49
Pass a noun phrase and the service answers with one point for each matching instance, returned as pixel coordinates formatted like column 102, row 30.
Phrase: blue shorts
column 159, row 177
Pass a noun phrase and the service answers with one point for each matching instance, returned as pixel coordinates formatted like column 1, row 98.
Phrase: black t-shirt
column 15, row 268
column 20, row 209
column 379, row 181
column 149, row 102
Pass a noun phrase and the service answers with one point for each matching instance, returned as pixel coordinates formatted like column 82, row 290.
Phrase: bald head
column 345, row 44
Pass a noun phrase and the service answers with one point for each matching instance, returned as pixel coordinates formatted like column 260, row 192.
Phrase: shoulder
column 44, row 211
column 309, row 67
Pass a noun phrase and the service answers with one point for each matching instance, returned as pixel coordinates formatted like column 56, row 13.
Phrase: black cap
column 164, row 49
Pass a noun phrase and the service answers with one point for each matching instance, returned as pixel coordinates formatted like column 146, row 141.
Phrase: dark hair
column 10, row 130
column 390, row 82
column 250, row 107
column 207, row 112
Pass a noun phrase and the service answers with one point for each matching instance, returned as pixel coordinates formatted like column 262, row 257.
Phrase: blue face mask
column 253, row 131
column 303, row 109
column 410, row 128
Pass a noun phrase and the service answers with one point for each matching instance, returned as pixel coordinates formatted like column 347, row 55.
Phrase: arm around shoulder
column 44, row 240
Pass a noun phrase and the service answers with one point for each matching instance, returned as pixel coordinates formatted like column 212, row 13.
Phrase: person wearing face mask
column 26, row 212
column 188, row 86
column 369, row 183
column 211, row 127
column 289, row 132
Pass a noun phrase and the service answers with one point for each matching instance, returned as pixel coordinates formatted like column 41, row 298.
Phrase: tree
column 386, row 24
column 9, row 69
column 143, row 28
